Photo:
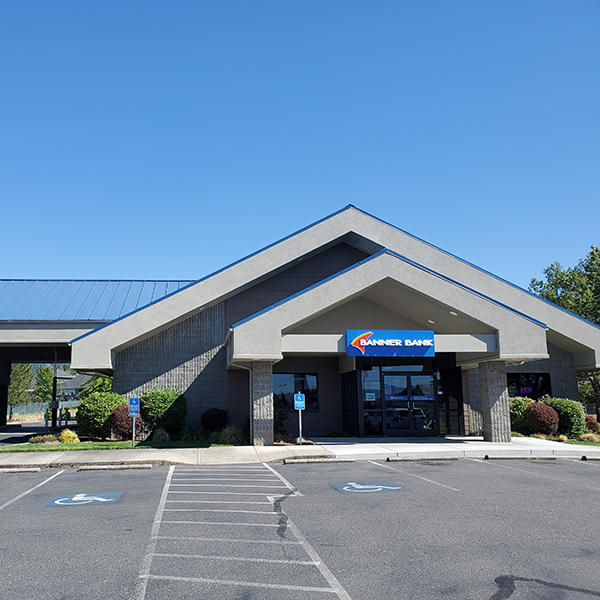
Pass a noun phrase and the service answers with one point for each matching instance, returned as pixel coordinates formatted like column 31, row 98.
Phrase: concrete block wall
column 188, row 356
column 472, row 403
column 560, row 365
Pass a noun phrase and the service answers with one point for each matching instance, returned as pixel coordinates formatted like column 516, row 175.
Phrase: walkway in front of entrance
column 449, row 447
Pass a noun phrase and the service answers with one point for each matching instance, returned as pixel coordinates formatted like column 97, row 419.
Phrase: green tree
column 577, row 289
column 98, row 383
column 44, row 376
column 21, row 382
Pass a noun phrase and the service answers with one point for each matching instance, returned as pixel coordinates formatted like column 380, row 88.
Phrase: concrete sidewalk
column 342, row 448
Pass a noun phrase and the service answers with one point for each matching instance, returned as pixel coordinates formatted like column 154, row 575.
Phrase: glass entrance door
column 409, row 404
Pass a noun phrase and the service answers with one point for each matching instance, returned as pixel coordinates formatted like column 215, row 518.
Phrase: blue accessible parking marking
column 356, row 487
column 86, row 499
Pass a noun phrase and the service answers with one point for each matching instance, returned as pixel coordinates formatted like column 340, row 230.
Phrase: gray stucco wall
column 190, row 357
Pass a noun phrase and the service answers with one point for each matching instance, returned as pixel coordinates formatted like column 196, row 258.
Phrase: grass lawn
column 580, row 443
column 98, row 446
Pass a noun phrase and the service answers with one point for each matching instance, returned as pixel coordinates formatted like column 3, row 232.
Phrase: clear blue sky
column 167, row 139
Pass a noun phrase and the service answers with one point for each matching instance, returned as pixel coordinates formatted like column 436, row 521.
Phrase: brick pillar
column 4, row 381
column 493, row 395
column 262, row 403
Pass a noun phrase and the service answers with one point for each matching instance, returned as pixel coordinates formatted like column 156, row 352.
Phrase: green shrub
column 93, row 416
column 192, row 436
column 213, row 419
column 591, row 424
column 160, row 435
column 571, row 415
column 540, row 418
column 165, row 409
column 232, row 435
column 517, row 413
column 68, row 437
column 43, row 439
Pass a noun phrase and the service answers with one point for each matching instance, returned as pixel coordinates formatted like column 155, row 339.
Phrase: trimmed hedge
column 571, row 415
column 93, row 416
column 121, row 424
column 164, row 409
column 591, row 424
column 540, row 418
column 213, row 419
column 517, row 413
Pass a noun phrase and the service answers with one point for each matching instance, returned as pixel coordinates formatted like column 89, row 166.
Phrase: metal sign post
column 134, row 411
column 299, row 405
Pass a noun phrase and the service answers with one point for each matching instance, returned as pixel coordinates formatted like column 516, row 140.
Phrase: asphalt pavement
column 456, row 529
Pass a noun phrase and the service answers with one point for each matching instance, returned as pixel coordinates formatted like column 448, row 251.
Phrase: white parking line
column 142, row 582
column 214, row 493
column 225, row 510
column 221, row 523
column 235, row 485
column 35, row 487
column 271, row 479
column 273, row 586
column 219, row 539
column 217, row 501
column 413, row 475
column 287, row 484
column 560, row 480
column 241, row 559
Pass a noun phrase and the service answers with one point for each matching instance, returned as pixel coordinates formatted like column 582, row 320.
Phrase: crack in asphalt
column 506, row 586
column 282, row 522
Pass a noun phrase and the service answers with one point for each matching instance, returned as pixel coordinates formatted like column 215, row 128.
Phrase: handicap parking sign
column 134, row 407
column 368, row 487
column 299, row 401
column 83, row 499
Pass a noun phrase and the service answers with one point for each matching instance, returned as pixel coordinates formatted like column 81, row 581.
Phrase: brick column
column 4, row 381
column 493, row 396
column 262, row 403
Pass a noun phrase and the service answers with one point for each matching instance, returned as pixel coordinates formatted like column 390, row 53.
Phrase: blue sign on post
column 134, row 407
column 386, row 342
column 299, row 401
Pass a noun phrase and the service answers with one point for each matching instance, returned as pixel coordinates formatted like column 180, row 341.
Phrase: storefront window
column 285, row 385
column 528, row 385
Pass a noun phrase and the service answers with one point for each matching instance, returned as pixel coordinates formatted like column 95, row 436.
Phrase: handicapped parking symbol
column 355, row 487
column 86, row 499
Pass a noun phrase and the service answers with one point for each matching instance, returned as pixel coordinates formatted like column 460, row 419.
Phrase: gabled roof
column 259, row 337
column 78, row 299
column 93, row 350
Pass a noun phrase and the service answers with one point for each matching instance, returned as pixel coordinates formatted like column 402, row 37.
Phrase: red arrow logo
column 356, row 341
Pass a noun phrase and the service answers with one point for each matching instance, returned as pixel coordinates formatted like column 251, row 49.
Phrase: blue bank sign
column 389, row 342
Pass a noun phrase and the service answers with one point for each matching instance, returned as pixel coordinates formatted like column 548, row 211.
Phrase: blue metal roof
column 79, row 299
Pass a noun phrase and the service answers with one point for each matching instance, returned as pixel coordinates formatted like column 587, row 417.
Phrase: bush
column 43, row 439
column 232, row 435
column 160, row 435
column 121, row 424
column 93, row 416
column 540, row 418
column 164, row 409
column 571, row 415
column 213, row 419
column 591, row 424
column 192, row 436
column 517, row 413
column 590, row 437
column 68, row 437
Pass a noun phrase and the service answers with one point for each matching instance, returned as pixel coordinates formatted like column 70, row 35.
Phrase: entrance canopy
column 388, row 291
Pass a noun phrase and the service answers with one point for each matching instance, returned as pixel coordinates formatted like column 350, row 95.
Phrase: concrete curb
column 20, row 469
column 114, row 467
column 308, row 460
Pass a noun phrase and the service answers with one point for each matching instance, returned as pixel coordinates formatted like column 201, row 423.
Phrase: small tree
column 98, row 383
column 21, row 382
column 44, row 376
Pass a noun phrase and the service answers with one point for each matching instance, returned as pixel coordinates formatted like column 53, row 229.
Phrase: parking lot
column 465, row 529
